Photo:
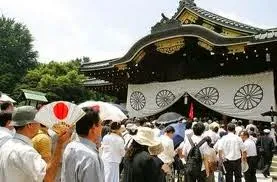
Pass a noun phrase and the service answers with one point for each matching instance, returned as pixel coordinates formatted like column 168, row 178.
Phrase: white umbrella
column 6, row 98
column 107, row 111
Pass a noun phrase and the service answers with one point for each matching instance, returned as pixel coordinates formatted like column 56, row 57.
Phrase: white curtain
column 245, row 96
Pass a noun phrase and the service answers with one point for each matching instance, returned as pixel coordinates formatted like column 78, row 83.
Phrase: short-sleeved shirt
column 19, row 161
column 82, row 163
column 231, row 146
column 203, row 148
column 167, row 155
column 250, row 148
column 5, row 134
column 113, row 148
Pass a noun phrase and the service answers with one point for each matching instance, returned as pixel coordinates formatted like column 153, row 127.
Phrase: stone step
column 274, row 163
column 273, row 169
column 273, row 175
column 274, row 158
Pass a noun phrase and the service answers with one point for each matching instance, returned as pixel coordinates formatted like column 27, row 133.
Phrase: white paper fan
column 107, row 111
column 59, row 112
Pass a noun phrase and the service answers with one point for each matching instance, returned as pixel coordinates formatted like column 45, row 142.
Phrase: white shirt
column 188, row 132
column 238, row 130
column 253, row 138
column 5, row 134
column 167, row 156
column 272, row 135
column 214, row 137
column 113, row 148
column 231, row 146
column 127, row 139
column 20, row 162
column 203, row 149
column 250, row 148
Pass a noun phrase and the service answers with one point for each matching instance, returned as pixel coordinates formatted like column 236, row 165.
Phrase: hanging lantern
column 186, row 98
column 267, row 56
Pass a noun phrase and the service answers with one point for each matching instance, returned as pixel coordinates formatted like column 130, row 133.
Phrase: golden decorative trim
column 121, row 66
column 236, row 48
column 188, row 17
column 205, row 45
column 209, row 26
column 139, row 56
column 230, row 33
column 170, row 46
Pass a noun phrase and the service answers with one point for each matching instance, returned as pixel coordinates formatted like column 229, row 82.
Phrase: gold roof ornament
column 236, row 48
column 139, row 56
column 121, row 66
column 205, row 45
column 170, row 46
column 188, row 17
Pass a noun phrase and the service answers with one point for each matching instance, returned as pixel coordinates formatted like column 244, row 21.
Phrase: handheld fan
column 59, row 115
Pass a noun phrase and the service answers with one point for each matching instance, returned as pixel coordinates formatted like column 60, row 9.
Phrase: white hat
column 146, row 136
column 244, row 167
column 267, row 131
column 131, row 126
column 234, row 121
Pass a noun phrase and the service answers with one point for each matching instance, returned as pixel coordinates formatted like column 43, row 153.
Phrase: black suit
column 266, row 143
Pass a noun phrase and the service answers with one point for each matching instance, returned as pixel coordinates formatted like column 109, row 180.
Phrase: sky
column 104, row 29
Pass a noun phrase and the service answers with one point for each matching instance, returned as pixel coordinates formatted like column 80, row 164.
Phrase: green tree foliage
column 16, row 53
column 61, row 81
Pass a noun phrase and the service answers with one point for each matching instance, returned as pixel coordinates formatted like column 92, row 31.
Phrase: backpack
column 194, row 158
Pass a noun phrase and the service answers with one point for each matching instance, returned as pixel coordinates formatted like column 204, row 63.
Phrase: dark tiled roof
column 98, row 65
column 186, row 4
column 264, row 37
column 96, row 82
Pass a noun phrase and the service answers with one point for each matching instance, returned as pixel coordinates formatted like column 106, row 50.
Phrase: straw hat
column 146, row 136
column 156, row 150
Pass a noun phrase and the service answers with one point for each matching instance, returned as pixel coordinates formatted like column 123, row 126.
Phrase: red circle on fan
column 60, row 110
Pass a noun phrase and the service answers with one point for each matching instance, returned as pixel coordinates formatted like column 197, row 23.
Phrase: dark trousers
column 200, row 178
column 250, row 174
column 267, row 163
column 233, row 167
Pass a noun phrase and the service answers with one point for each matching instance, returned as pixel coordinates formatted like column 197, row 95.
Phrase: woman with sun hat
column 139, row 165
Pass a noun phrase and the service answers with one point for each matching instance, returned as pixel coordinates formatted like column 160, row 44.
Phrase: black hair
column 222, row 134
column 149, row 125
column 198, row 129
column 115, row 125
column 215, row 129
column 188, row 125
column 239, row 123
column 245, row 133
column 90, row 119
column 5, row 117
column 134, row 149
column 17, row 128
column 169, row 129
column 231, row 127
column 105, row 130
column 5, row 105
column 141, row 121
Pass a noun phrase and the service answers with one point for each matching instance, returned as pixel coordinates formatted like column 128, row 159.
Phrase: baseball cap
column 23, row 115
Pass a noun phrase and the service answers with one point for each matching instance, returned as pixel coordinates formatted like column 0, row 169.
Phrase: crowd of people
column 137, row 150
